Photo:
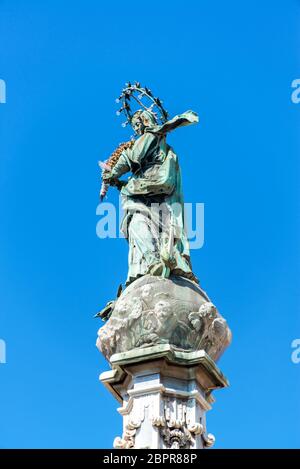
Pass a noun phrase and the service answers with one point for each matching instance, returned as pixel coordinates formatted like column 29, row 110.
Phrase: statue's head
column 142, row 119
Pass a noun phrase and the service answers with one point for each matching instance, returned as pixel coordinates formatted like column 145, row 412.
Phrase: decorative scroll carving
column 128, row 438
column 177, row 433
column 208, row 440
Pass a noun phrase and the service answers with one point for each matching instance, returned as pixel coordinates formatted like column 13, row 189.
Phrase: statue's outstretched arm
column 187, row 118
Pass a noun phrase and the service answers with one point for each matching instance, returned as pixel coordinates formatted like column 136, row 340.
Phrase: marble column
column 164, row 395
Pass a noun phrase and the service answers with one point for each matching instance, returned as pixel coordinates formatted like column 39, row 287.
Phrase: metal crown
column 135, row 93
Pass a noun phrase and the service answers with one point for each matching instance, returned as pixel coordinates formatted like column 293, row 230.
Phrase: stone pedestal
column 164, row 394
column 162, row 340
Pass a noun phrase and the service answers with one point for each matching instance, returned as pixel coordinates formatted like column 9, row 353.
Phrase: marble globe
column 154, row 310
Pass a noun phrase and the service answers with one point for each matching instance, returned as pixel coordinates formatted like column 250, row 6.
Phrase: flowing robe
column 153, row 205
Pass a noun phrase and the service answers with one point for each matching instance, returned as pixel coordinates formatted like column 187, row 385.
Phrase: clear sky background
column 64, row 64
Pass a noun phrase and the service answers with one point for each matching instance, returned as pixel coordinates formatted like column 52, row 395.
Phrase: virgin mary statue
column 152, row 198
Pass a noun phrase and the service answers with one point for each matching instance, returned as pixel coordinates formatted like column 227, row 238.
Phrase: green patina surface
column 152, row 200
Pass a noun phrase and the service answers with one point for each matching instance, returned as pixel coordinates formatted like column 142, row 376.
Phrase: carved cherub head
column 163, row 309
column 195, row 320
column 204, row 316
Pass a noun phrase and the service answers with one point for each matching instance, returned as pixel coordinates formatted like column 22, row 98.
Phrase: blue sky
column 64, row 64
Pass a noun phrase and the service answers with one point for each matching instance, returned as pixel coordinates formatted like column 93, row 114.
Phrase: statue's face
column 137, row 125
column 141, row 120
